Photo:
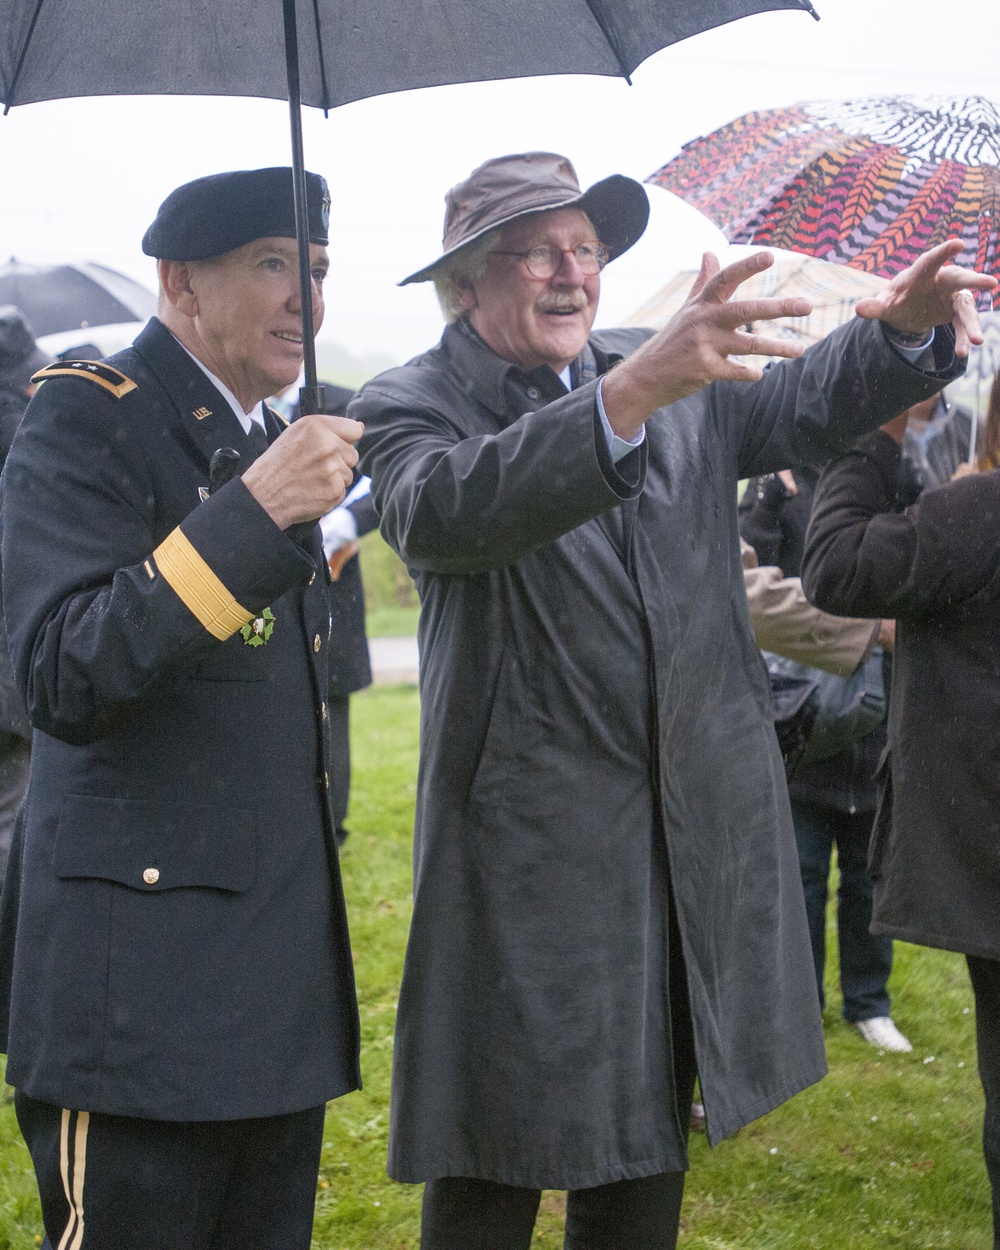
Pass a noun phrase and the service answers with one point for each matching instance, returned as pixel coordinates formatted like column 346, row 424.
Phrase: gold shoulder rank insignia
column 280, row 415
column 106, row 377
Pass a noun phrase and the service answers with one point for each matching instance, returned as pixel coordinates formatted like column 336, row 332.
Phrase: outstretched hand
column 695, row 347
column 932, row 292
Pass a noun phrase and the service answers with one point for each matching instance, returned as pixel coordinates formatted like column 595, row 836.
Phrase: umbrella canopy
column 867, row 183
column 833, row 290
column 334, row 51
column 348, row 49
column 73, row 297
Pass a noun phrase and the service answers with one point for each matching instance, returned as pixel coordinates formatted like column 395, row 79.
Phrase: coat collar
column 493, row 382
column 205, row 413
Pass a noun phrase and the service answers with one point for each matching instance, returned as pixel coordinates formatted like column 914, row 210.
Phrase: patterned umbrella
column 866, row 183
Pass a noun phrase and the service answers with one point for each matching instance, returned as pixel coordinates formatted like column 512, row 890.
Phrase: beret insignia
column 104, row 376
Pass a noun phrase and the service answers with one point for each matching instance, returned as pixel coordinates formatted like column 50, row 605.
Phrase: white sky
column 83, row 178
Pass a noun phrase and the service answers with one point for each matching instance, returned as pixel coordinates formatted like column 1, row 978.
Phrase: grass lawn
column 883, row 1153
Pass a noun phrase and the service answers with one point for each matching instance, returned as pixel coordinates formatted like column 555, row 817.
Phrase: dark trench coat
column 596, row 729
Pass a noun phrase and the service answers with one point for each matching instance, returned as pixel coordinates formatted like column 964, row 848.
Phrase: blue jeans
column 865, row 960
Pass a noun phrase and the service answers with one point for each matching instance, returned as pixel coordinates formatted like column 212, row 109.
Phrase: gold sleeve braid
column 198, row 588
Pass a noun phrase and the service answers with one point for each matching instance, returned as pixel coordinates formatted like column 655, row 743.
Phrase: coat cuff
column 227, row 560
column 938, row 360
column 627, row 475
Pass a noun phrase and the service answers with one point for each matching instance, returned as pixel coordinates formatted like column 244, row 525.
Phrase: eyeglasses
column 544, row 261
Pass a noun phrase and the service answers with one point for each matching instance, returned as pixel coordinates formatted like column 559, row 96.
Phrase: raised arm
column 868, row 557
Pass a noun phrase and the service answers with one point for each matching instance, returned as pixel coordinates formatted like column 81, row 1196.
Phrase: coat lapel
column 205, row 416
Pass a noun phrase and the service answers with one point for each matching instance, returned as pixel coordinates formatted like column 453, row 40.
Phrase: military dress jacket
column 935, row 567
column 177, row 923
column 596, row 731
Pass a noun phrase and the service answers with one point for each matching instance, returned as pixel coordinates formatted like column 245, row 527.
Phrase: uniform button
column 316, row 643
column 326, row 780
column 324, row 711
column 312, row 578
column 534, row 392
column 151, row 876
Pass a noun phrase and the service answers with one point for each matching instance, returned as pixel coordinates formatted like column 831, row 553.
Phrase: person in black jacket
column 833, row 800
column 348, row 660
column 934, row 566
column 176, row 991
column 350, row 665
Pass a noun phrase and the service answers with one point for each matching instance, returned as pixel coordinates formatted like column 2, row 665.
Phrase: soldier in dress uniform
column 175, row 975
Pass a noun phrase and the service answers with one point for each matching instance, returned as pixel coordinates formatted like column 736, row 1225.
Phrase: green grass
column 387, row 583
column 884, row 1152
column 392, row 622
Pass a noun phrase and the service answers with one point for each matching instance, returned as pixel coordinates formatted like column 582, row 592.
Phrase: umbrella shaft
column 310, row 398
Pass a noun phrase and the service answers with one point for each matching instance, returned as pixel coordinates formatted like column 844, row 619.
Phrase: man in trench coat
column 607, row 894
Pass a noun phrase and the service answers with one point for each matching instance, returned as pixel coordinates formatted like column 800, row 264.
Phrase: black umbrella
column 347, row 50
column 73, row 297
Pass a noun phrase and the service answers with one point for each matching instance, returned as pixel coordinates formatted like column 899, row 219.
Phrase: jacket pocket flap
column 152, row 845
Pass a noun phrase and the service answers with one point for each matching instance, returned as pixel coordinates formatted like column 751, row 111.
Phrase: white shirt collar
column 255, row 414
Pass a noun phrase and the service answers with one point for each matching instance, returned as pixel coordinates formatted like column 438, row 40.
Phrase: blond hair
column 459, row 271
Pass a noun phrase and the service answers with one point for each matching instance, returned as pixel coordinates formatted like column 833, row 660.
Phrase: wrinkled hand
column 932, row 292
column 695, row 346
column 306, row 471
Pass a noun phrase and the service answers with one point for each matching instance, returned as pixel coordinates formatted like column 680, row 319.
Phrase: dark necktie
column 256, row 441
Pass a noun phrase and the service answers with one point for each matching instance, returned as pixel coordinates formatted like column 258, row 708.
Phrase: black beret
column 223, row 211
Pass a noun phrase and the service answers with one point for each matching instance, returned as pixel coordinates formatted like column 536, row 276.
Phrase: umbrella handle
column 312, row 397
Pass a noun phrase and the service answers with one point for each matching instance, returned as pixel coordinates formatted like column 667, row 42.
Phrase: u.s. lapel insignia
column 202, row 493
column 201, row 413
column 259, row 630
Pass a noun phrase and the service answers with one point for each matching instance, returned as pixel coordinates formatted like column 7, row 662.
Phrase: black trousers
column 464, row 1214
column 985, row 976
column 111, row 1182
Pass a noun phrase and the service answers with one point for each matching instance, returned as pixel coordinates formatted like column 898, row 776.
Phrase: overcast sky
column 83, row 178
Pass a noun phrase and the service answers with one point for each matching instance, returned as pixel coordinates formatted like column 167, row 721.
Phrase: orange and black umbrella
column 867, row 183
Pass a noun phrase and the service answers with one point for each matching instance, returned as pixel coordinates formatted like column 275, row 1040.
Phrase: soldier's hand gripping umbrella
column 334, row 51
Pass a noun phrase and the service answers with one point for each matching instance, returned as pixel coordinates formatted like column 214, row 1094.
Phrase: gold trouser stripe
column 64, row 1172
column 72, row 1237
column 198, row 588
column 79, row 1171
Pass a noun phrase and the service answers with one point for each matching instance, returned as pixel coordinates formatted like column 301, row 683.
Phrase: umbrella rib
column 625, row 72
column 322, row 60
column 20, row 60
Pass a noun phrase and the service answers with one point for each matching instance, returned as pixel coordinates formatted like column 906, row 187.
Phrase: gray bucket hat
column 508, row 187
column 20, row 356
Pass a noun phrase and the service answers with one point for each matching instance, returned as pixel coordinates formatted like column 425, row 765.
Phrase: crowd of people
column 614, row 896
